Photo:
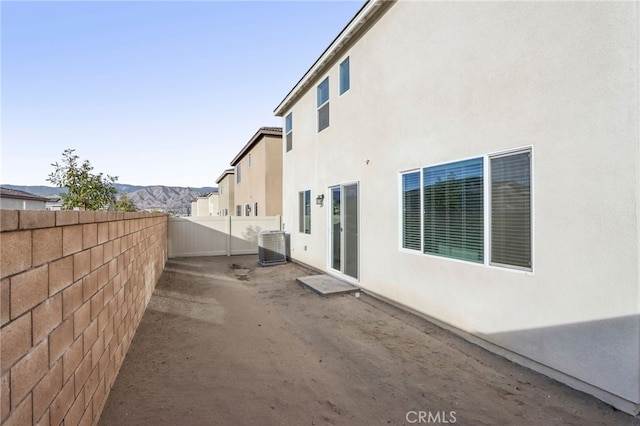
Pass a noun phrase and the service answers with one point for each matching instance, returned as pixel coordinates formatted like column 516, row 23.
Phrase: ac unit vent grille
column 272, row 248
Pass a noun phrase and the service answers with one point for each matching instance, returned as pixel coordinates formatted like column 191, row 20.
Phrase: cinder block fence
column 74, row 287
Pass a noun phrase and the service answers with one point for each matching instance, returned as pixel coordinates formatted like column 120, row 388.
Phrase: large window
column 345, row 82
column 304, row 205
column 511, row 209
column 288, row 131
column 444, row 207
column 238, row 173
column 323, row 105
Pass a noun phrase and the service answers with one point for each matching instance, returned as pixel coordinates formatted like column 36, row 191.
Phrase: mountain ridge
column 176, row 199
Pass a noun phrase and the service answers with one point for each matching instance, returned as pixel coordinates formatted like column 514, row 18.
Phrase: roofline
column 22, row 195
column 366, row 12
column 262, row 132
column 226, row 172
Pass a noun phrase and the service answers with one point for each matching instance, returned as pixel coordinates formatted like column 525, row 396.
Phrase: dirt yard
column 219, row 348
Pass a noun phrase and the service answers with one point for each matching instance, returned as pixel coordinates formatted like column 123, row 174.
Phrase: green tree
column 125, row 204
column 85, row 190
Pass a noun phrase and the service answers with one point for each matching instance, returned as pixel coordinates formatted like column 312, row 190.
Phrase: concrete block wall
column 74, row 286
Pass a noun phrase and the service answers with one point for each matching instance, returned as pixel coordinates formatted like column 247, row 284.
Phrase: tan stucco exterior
column 258, row 175
column 437, row 82
column 226, row 186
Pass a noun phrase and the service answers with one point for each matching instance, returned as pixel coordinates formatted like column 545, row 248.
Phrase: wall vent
column 272, row 248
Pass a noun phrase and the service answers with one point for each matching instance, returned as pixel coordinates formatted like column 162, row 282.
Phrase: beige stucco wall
column 226, row 195
column 262, row 181
column 214, row 201
column 434, row 82
column 18, row 204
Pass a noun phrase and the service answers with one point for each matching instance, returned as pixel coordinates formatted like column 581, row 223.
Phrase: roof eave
column 336, row 47
column 261, row 133
column 225, row 173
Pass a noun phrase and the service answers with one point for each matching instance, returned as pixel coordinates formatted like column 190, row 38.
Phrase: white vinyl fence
column 218, row 236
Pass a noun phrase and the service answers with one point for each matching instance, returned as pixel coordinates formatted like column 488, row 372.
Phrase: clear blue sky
column 155, row 92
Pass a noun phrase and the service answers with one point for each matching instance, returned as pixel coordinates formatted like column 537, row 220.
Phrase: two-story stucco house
column 479, row 163
column 258, row 175
column 225, row 193
column 206, row 205
column 20, row 200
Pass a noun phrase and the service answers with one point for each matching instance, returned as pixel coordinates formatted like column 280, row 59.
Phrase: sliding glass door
column 344, row 243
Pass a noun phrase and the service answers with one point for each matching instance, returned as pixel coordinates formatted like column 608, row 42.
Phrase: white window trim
column 487, row 211
column 326, row 78
column 340, row 93
column 287, row 133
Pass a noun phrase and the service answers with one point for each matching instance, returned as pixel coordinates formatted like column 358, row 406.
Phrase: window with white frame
column 345, row 79
column 247, row 209
column 411, row 207
column 304, row 209
column 238, row 173
column 288, row 131
column 323, row 104
column 444, row 208
column 511, row 209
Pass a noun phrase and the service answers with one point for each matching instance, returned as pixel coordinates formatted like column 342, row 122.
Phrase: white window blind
column 511, row 209
column 411, row 211
column 454, row 210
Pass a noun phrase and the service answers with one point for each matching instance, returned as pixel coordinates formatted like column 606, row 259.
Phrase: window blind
column 511, row 210
column 454, row 210
column 411, row 211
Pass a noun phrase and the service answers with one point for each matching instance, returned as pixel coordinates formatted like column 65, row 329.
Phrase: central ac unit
column 272, row 248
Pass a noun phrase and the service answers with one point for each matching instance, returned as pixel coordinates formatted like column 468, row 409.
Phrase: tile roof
column 22, row 195
column 226, row 172
column 262, row 131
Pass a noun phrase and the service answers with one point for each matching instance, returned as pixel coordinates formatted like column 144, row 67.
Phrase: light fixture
column 319, row 200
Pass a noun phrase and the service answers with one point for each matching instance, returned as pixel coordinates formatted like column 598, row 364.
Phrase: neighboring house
column 226, row 184
column 206, row 205
column 479, row 165
column 54, row 202
column 258, row 175
column 12, row 199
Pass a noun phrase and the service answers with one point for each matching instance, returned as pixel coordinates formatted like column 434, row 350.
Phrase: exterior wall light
column 320, row 200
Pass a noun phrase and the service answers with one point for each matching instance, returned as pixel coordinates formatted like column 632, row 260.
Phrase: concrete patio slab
column 325, row 285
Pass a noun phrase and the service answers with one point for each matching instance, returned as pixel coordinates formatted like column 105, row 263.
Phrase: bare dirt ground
column 219, row 348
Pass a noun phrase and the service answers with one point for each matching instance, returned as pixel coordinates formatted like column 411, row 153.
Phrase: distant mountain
column 164, row 198
column 167, row 198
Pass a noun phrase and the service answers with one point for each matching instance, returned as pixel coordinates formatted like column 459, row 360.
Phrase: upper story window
column 323, row 105
column 345, row 81
column 238, row 173
column 288, row 131
column 249, row 160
